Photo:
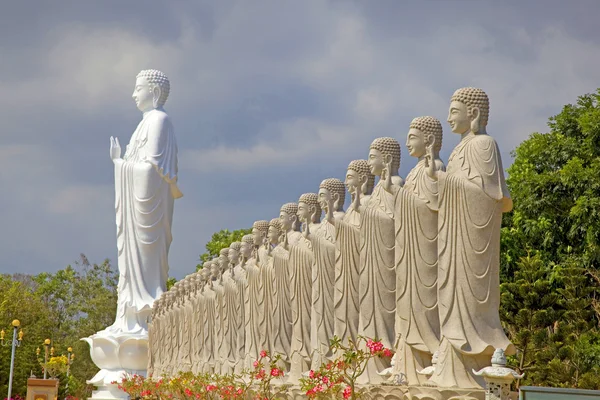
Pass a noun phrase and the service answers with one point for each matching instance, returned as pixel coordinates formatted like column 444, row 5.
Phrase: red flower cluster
column 374, row 347
column 347, row 392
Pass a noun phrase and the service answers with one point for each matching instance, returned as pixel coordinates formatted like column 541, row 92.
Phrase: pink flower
column 263, row 354
column 261, row 374
column 255, row 363
column 347, row 392
column 188, row 392
column 210, row 388
column 325, row 380
column 311, row 374
column 387, row 353
column 276, row 372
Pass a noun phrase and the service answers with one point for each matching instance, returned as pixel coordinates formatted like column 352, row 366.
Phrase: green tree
column 550, row 249
column 220, row 240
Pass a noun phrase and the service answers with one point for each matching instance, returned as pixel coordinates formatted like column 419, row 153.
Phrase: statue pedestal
column 42, row 389
column 117, row 355
column 396, row 392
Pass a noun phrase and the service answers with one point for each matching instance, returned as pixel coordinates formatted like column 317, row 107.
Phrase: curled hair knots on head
column 363, row 169
column 157, row 78
column 276, row 223
column 474, row 97
column 224, row 252
column 388, row 146
column 429, row 126
column 334, row 185
column 312, row 200
column 290, row 208
column 248, row 239
column 261, row 225
column 235, row 246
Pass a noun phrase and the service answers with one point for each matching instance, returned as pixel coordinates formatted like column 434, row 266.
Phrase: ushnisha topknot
column 224, row 252
column 157, row 78
column 474, row 97
column 248, row 239
column 261, row 225
column 235, row 246
column 429, row 126
column 362, row 167
column 335, row 185
column 388, row 146
column 312, row 200
column 290, row 208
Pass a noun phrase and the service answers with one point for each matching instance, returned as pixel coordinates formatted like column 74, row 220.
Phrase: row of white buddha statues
column 413, row 263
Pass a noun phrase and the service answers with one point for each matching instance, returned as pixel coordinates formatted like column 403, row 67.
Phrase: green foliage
column 550, row 259
column 220, row 240
column 65, row 306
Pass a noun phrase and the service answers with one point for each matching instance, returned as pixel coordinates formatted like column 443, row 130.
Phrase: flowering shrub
column 339, row 375
column 335, row 379
column 255, row 383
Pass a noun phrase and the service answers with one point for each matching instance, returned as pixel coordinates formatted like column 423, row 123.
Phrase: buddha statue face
column 214, row 269
column 273, row 235
column 416, row 143
column 304, row 212
column 324, row 197
column 352, row 180
column 287, row 220
column 233, row 256
column 376, row 162
column 257, row 236
column 459, row 117
column 246, row 250
column 143, row 94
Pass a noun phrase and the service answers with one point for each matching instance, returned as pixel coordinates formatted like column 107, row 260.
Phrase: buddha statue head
column 332, row 189
column 247, row 246
column 382, row 151
column 205, row 275
column 215, row 270
column 223, row 259
column 151, row 90
column 275, row 231
column 288, row 215
column 259, row 231
column 234, row 252
column 469, row 111
column 423, row 132
column 309, row 209
column 359, row 176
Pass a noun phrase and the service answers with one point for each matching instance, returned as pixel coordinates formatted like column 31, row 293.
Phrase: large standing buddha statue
column 346, row 303
column 377, row 287
column 472, row 197
column 415, row 215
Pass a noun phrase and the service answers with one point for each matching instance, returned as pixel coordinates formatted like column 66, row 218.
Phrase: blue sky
column 268, row 98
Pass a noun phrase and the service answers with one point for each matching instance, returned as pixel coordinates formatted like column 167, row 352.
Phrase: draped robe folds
column 151, row 348
column 221, row 328
column 253, row 343
column 323, row 288
column 472, row 197
column 347, row 256
column 209, row 348
column 267, row 297
column 241, row 282
column 145, row 189
column 282, row 310
column 177, row 339
column 377, row 284
column 417, row 321
column 232, row 301
column 198, row 339
column 185, row 347
column 300, row 264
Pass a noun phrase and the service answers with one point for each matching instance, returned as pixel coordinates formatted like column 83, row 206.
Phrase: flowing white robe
column 145, row 188
column 417, row 321
column 472, row 197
